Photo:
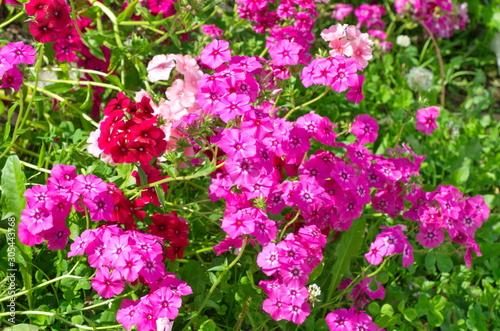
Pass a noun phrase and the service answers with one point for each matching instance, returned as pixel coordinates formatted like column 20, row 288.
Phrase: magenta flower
column 165, row 303
column 107, row 284
column 12, row 78
column 18, row 52
column 285, row 52
column 426, row 119
column 238, row 224
column 4, row 65
column 211, row 30
column 216, row 53
column 365, row 128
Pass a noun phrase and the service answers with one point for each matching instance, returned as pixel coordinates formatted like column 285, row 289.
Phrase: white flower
column 419, row 79
column 403, row 41
column 159, row 67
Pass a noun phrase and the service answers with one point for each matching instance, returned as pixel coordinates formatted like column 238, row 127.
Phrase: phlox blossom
column 426, row 119
column 285, row 52
column 365, row 128
column 159, row 67
column 216, row 53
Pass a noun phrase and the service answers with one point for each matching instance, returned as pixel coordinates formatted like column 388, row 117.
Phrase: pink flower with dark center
column 426, row 119
column 18, row 52
column 365, row 128
column 37, row 219
column 12, row 78
column 430, row 236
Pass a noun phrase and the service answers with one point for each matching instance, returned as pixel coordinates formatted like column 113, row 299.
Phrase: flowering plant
column 174, row 166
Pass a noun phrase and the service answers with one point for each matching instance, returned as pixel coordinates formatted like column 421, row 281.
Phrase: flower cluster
column 290, row 20
column 390, row 241
column 128, row 133
column 289, row 263
column 174, row 230
column 350, row 52
column 352, row 319
column 363, row 293
column 12, row 55
column 51, row 17
column 123, row 257
column 442, row 17
column 447, row 208
column 49, row 205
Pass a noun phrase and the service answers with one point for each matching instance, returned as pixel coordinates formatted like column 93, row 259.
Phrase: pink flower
column 18, row 52
column 107, row 284
column 159, row 68
column 238, row 224
column 365, row 128
column 216, row 53
column 12, row 78
column 341, row 10
column 285, row 52
column 426, row 119
column 355, row 93
column 212, row 30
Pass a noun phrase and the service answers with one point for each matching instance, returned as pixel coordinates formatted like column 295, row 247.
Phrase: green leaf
column 13, row 187
column 439, row 302
column 206, row 169
column 347, row 249
column 444, row 263
column 387, row 310
column 410, row 314
column 161, row 196
column 374, row 308
column 6, row 131
column 127, row 12
column 435, row 318
column 207, row 326
column 430, row 261
column 460, row 175
column 22, row 327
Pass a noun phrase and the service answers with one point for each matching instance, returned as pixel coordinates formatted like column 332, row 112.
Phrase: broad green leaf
column 387, row 310
column 439, row 302
column 460, row 175
column 13, row 187
column 430, row 261
column 347, row 249
column 208, row 326
column 410, row 314
column 444, row 263
column 435, row 318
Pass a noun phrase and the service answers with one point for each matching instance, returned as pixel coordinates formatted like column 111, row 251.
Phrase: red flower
column 44, row 31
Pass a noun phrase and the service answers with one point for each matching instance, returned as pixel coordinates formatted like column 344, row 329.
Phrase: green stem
column 61, row 99
column 98, row 304
column 400, row 132
column 288, row 224
column 29, row 165
column 83, row 82
column 327, row 89
column 217, row 282
column 172, row 179
column 18, row 15
column 378, row 269
column 39, row 286
column 440, row 61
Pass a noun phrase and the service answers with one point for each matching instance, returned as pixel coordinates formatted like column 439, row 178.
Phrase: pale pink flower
column 159, row 67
